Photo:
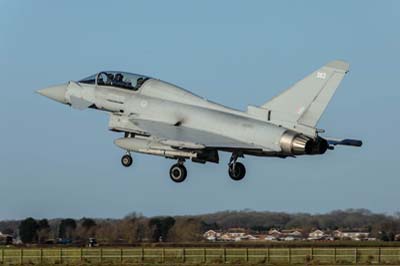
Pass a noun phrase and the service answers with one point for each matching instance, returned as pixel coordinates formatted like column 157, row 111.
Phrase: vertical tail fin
column 305, row 101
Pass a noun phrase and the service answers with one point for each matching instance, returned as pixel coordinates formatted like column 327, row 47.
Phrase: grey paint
column 163, row 119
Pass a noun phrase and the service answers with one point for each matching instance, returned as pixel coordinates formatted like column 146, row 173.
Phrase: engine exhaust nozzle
column 295, row 143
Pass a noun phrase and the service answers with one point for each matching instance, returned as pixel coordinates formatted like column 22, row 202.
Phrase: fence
column 201, row 255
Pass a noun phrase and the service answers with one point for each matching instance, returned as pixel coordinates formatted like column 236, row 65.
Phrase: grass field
column 196, row 256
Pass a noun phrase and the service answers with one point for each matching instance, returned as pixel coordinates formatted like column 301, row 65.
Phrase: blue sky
column 59, row 162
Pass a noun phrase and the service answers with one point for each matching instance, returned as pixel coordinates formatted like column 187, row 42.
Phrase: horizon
column 394, row 215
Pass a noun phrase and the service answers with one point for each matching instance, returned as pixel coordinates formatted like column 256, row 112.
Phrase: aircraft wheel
column 126, row 160
column 178, row 173
column 237, row 171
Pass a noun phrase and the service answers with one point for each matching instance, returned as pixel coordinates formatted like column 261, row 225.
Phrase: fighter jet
column 159, row 118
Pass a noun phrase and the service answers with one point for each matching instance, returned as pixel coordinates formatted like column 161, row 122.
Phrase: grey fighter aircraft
column 162, row 119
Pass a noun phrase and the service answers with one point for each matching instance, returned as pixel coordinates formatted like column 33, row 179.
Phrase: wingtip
column 339, row 64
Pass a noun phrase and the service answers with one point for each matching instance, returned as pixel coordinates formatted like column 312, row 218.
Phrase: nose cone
column 56, row 93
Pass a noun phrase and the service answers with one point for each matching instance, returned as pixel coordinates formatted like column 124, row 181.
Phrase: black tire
column 178, row 173
column 237, row 171
column 126, row 160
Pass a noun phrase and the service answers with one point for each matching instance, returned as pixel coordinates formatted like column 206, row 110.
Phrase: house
column 356, row 235
column 212, row 235
column 295, row 233
column 286, row 235
column 271, row 238
column 337, row 234
column 6, row 239
column 352, row 235
column 260, row 237
column 316, row 235
column 232, row 236
column 294, row 236
column 327, row 238
column 274, row 232
column 236, row 233
column 289, row 235
column 289, row 238
column 273, row 235
column 226, row 237
column 209, row 233
column 249, row 237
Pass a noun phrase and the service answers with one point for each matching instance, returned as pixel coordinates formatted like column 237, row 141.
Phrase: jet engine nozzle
column 297, row 144
column 294, row 143
column 318, row 146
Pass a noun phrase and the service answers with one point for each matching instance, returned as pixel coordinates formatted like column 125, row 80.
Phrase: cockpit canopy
column 116, row 79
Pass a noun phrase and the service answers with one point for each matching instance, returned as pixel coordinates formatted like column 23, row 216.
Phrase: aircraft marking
column 321, row 75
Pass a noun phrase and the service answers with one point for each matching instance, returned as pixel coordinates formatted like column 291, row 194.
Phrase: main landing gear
column 178, row 172
column 127, row 160
column 236, row 170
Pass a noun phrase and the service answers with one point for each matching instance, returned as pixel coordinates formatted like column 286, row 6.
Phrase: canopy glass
column 118, row 79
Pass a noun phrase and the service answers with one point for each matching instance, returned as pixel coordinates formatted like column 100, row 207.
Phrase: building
column 260, row 237
column 271, row 238
column 240, row 234
column 232, row 234
column 249, row 237
column 289, row 238
column 295, row 233
column 351, row 235
column 275, row 233
column 285, row 235
column 6, row 239
column 232, row 237
column 337, row 234
column 212, row 235
column 316, row 235
column 236, row 233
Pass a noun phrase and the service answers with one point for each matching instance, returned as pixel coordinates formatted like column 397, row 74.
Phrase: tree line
column 136, row 228
column 131, row 229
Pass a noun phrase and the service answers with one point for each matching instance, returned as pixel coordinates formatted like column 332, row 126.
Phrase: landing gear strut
column 178, row 172
column 236, row 170
column 127, row 160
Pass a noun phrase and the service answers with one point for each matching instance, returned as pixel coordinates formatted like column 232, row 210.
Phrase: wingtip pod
column 346, row 142
column 352, row 142
column 339, row 65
